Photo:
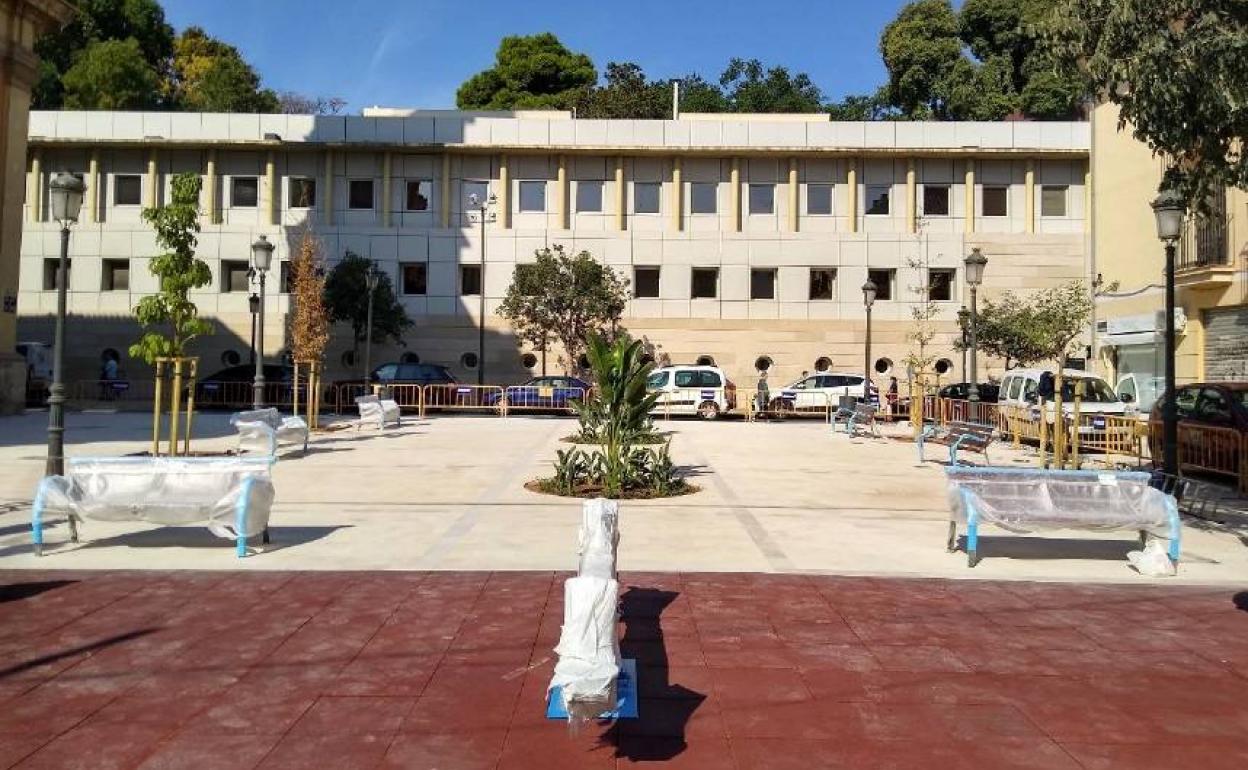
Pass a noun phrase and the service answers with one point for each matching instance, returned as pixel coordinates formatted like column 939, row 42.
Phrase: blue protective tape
column 36, row 512
column 625, row 696
column 240, row 515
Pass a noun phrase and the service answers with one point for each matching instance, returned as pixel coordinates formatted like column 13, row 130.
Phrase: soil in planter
column 586, row 491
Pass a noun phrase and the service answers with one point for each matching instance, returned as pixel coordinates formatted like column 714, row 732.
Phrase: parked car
column 702, row 390
column 961, row 391
column 1219, row 404
column 819, row 392
column 1022, row 387
column 231, row 388
column 397, row 374
column 1140, row 390
column 549, row 392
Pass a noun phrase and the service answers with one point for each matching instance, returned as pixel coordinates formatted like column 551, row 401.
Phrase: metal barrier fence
column 462, row 398
column 138, row 394
column 1107, row 433
column 1207, row 449
column 783, row 404
column 111, row 394
column 527, row 398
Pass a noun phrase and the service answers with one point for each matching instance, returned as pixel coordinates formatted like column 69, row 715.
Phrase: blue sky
column 415, row 53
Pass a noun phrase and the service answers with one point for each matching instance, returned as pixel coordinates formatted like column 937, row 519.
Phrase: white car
column 818, row 392
column 1021, row 387
column 702, row 390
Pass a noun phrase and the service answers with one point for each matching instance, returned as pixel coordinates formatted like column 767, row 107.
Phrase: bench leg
column 73, row 528
column 972, row 538
column 1143, row 538
column 952, row 545
column 264, row 537
column 919, row 445
column 241, row 546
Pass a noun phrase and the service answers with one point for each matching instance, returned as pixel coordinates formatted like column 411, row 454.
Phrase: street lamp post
column 253, row 304
column 371, row 279
column 974, row 263
column 868, row 299
column 964, row 322
column 1169, row 208
column 482, row 205
column 261, row 261
column 65, row 191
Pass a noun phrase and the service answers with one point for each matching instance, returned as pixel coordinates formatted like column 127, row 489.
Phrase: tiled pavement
column 448, row 670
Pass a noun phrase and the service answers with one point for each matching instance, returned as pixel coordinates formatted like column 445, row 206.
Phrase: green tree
column 921, row 48
column 1036, row 329
column 860, row 107
column 626, row 94
column 209, row 75
column 529, row 72
column 178, row 271
column 1178, row 71
column 565, row 297
column 749, row 87
column 619, row 407
column 346, row 300
column 111, row 75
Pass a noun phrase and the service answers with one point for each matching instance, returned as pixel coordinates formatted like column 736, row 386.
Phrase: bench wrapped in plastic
column 378, row 411
column 232, row 496
column 260, row 430
column 1032, row 500
column 589, row 654
column 599, row 538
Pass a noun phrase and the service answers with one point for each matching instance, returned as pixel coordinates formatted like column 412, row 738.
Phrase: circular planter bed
column 652, row 440
column 587, row 491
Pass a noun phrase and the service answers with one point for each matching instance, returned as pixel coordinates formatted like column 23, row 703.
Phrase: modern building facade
column 746, row 239
column 1211, row 275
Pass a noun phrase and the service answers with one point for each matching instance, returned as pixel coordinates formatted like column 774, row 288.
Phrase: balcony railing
column 1204, row 237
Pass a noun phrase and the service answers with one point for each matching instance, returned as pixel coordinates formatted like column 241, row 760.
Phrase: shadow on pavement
column 72, row 651
column 17, row 591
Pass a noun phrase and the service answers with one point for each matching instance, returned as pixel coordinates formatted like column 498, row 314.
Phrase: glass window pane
column 819, row 199
column 646, row 196
column 234, row 276
column 127, row 190
column 645, row 282
column 763, row 284
column 935, row 200
column 360, row 194
column 302, row 193
column 705, row 283
column 470, row 280
column 589, row 196
column 477, row 191
column 762, row 199
column 822, row 282
column 244, row 191
column 415, row 275
column 702, row 197
column 686, row 379
column 418, row 191
column 1053, row 201
column 883, row 280
column 533, row 196
column 709, row 380
column 878, row 199
column 996, row 201
column 940, row 285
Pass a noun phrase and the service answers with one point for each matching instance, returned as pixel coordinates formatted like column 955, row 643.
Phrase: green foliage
column 178, row 271
column 346, row 300
column 626, row 94
column 564, row 297
column 529, row 72
column 211, row 76
column 1035, row 329
column 111, row 75
column 748, row 87
column 1178, row 71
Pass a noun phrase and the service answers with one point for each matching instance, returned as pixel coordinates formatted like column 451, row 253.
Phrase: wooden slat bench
column 957, row 434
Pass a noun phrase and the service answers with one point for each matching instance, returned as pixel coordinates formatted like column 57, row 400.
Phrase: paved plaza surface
column 448, row 670
column 447, row 493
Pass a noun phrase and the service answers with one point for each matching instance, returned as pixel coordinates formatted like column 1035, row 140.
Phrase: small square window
column 702, row 197
column 415, row 275
column 819, row 199
column 589, row 196
column 763, row 283
column 115, row 275
column 475, row 190
column 762, row 199
column 705, row 283
column 50, row 269
column 234, row 276
column 283, row 276
column 646, row 197
column 878, row 203
column 935, row 200
column 417, row 198
column 127, row 190
column 1053, row 200
column 996, row 201
column 883, row 280
column 302, row 193
column 244, row 192
column 533, row 196
column 469, row 280
column 940, row 284
column 360, row 194
column 823, row 283
column 645, row 282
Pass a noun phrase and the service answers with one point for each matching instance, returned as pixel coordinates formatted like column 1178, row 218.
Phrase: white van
column 819, row 391
column 1021, row 387
column 702, row 390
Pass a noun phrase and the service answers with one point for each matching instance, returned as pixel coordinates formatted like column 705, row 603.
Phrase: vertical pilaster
column 270, row 188
column 970, row 195
column 1029, row 187
column 1087, row 198
column 851, row 194
column 504, row 193
column 620, row 198
column 445, row 190
column 329, row 187
column 92, row 213
column 210, row 186
column 794, row 197
column 734, row 197
column 912, row 198
column 678, row 219
column 36, row 185
column 387, row 202
column 151, row 199
column 561, row 196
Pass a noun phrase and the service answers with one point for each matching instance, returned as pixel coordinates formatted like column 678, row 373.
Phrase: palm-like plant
column 620, row 407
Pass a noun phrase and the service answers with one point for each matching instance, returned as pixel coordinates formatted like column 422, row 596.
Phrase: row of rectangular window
column 647, row 196
column 115, row 275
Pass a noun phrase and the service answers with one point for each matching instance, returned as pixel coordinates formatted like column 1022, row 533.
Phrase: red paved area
column 448, row 670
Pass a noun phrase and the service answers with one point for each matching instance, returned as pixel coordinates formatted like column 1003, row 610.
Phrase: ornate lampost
column 261, row 261
column 1169, row 209
column 869, row 290
column 65, row 192
column 974, row 263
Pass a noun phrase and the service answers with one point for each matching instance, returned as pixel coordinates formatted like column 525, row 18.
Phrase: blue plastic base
column 625, row 696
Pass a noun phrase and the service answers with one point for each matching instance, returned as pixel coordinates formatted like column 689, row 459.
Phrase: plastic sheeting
column 232, row 496
column 1032, row 500
column 589, row 653
column 377, row 410
column 260, row 430
column 599, row 538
